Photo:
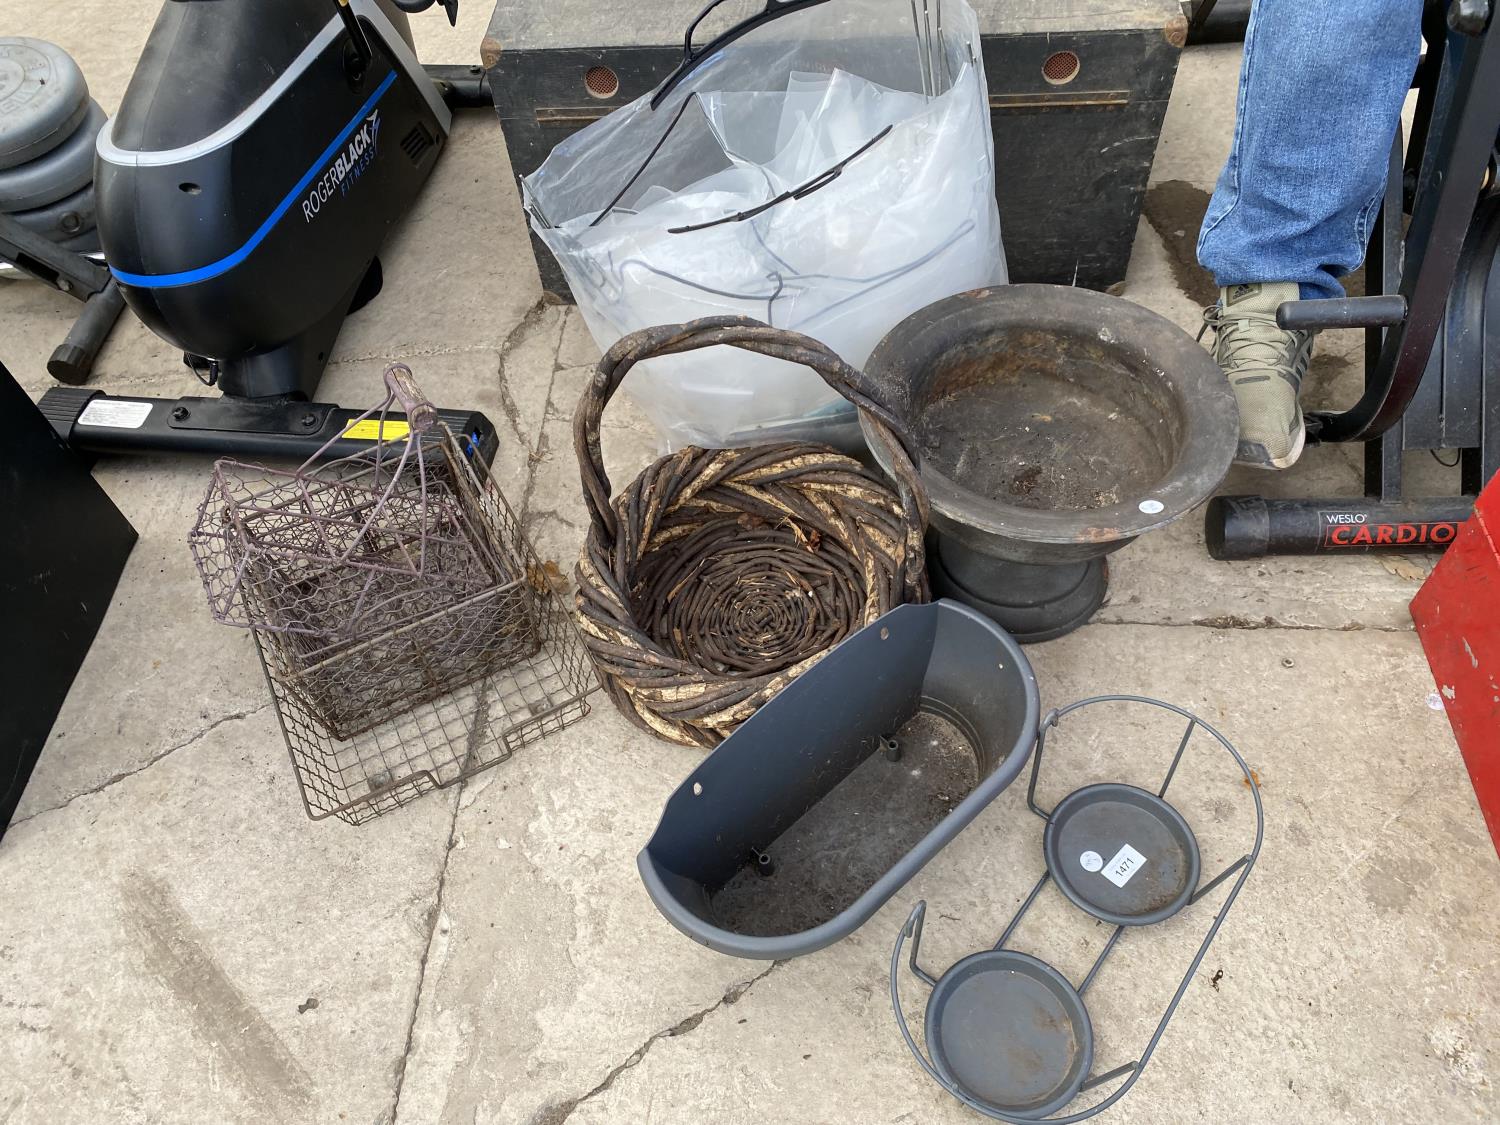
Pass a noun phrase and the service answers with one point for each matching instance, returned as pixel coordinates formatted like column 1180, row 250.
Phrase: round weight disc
column 67, row 218
column 43, row 98
column 1010, row 1032
column 59, row 173
column 85, row 243
column 1122, row 854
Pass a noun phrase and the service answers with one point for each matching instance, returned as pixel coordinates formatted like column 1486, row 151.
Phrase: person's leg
column 1320, row 94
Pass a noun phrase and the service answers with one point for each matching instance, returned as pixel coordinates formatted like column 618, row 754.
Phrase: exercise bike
column 261, row 155
column 1431, row 315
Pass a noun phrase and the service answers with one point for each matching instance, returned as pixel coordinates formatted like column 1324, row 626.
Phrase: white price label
column 117, row 413
column 1091, row 861
column 1124, row 865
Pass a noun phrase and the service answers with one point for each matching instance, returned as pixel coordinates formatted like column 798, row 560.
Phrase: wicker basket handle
column 743, row 332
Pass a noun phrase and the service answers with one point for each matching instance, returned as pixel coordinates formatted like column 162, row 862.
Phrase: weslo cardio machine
column 1432, row 320
column 261, row 155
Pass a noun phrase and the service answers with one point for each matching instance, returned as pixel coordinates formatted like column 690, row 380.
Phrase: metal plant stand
column 1001, row 997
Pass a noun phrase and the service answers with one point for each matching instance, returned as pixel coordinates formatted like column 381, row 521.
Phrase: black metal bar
column 102, row 423
column 1343, row 312
column 1465, row 119
column 73, row 360
column 1201, row 12
column 1424, row 81
column 1489, row 450
column 1383, row 468
column 1250, row 527
column 1099, row 961
column 914, row 930
column 1223, row 22
column 1219, row 878
column 1108, row 1076
column 461, row 87
column 1019, row 914
column 1036, row 764
column 44, row 260
column 1177, row 757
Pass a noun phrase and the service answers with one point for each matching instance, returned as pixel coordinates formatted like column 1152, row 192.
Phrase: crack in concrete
column 434, row 916
column 559, row 1112
column 542, row 515
column 411, row 351
column 523, row 509
column 123, row 774
column 1225, row 622
column 513, row 339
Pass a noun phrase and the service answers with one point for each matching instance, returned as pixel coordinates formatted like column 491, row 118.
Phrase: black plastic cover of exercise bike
column 255, row 246
column 943, row 658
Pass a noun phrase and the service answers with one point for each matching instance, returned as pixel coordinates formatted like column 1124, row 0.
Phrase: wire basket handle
column 420, row 413
column 752, row 336
column 400, row 389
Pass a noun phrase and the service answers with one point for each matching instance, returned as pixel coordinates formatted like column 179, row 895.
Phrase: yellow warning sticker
column 370, row 430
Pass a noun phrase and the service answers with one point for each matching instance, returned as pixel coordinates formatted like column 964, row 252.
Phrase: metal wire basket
column 408, row 633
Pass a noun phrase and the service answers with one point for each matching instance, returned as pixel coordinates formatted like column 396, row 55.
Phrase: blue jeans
column 1320, row 96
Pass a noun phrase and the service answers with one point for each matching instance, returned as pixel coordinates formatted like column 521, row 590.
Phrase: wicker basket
column 720, row 575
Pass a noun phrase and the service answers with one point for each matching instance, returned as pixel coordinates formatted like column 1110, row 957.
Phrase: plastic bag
column 825, row 166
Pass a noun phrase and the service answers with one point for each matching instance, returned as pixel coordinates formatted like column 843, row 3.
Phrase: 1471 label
column 1126, row 862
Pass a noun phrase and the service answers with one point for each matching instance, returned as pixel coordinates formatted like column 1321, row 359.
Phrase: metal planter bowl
column 1055, row 425
column 817, row 809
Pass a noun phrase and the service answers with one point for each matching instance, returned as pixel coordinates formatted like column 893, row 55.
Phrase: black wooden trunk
column 1072, row 158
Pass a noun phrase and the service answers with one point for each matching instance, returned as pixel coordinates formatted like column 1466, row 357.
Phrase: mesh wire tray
column 408, row 634
column 438, row 742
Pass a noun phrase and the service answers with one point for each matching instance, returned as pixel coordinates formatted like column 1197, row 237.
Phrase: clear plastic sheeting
column 830, row 171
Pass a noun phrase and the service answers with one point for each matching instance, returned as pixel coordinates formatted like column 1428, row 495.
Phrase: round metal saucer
column 1122, row 854
column 1010, row 1032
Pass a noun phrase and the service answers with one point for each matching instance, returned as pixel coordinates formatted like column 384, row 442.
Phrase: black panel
column 1072, row 160
column 152, row 224
column 65, row 547
column 180, row 92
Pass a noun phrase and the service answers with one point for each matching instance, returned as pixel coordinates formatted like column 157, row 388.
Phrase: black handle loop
column 691, row 58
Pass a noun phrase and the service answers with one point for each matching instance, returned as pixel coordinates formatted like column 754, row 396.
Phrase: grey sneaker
column 1265, row 365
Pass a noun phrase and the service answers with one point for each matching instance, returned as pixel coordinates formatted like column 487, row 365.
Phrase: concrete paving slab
column 186, row 946
column 1299, row 1026
column 1199, row 125
column 554, row 512
column 448, row 282
column 552, row 966
column 521, row 974
column 160, row 671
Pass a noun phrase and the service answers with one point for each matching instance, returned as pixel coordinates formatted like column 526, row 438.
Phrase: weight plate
column 61, row 172
column 43, row 98
column 85, row 243
column 67, row 218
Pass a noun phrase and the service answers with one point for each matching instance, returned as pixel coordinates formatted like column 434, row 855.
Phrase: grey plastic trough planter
column 806, row 820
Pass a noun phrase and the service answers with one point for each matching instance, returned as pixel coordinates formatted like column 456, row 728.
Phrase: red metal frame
column 1457, row 612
